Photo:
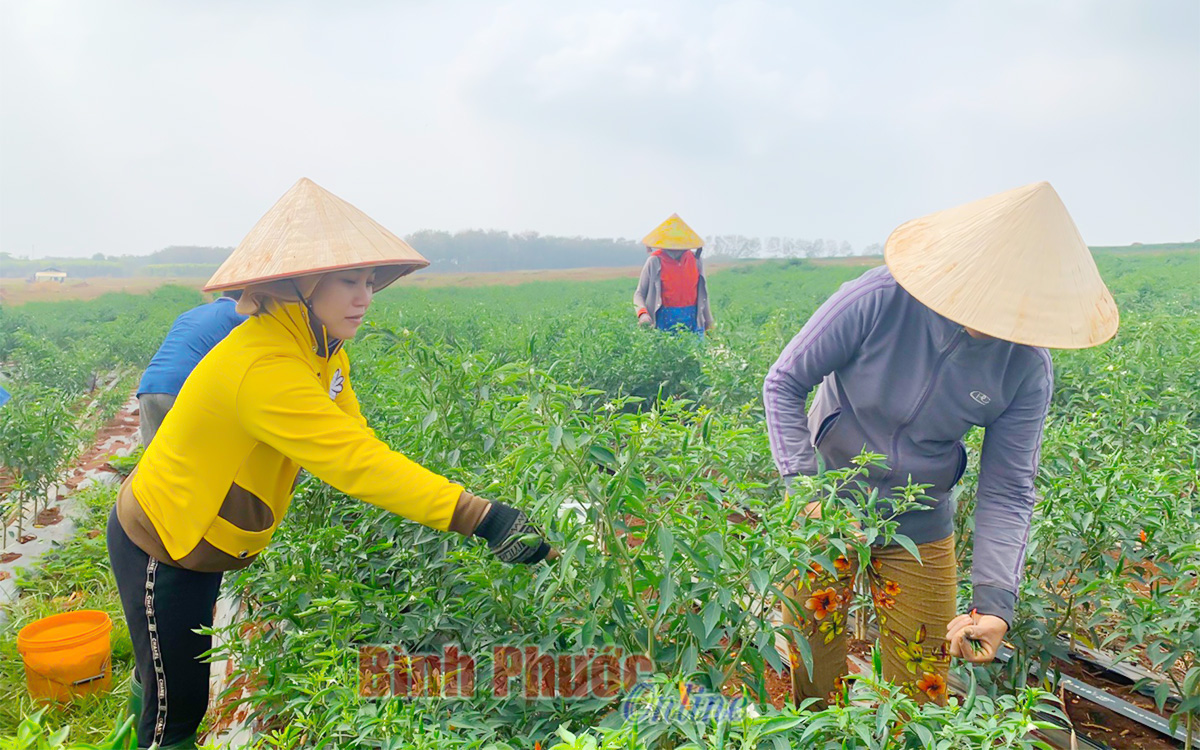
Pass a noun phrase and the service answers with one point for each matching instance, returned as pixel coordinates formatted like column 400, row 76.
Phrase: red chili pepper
column 976, row 644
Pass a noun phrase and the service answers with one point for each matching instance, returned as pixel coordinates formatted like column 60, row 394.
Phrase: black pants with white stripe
column 163, row 605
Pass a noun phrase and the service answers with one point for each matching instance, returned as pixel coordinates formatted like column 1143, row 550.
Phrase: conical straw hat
column 1012, row 266
column 673, row 234
column 310, row 231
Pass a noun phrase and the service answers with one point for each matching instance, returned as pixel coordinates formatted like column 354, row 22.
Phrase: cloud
column 133, row 125
column 667, row 78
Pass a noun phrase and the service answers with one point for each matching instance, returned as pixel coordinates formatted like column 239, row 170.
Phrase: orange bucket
column 67, row 655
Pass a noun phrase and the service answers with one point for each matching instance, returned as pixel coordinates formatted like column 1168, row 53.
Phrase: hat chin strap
column 324, row 345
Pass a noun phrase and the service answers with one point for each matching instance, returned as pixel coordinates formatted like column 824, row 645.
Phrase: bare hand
column 644, row 319
column 976, row 637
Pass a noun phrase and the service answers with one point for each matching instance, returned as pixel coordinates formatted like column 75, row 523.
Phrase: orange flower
column 839, row 694
column 841, row 563
column 891, row 588
column 821, row 603
column 683, row 694
column 814, row 571
column 884, row 601
column 933, row 685
column 1143, row 536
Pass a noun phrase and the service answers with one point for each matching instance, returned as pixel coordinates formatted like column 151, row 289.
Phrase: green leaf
column 666, row 546
column 804, row 650
column 429, row 419
column 908, row 545
column 1161, row 693
column 587, row 633
column 760, row 580
column 602, row 456
column 713, row 491
column 764, row 641
column 666, row 594
column 712, row 612
column 556, row 435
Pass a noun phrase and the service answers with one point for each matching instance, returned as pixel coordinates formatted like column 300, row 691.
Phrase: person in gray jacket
column 950, row 334
column 672, row 291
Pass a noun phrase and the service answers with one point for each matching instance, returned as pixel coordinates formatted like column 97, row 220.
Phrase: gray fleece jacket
column 899, row 379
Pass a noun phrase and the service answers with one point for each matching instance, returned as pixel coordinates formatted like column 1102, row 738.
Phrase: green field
column 545, row 395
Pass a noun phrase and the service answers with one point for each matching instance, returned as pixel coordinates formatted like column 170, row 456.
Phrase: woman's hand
column 512, row 537
column 644, row 319
column 976, row 637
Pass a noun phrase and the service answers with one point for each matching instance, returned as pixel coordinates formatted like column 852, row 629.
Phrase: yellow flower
column 914, row 657
column 832, row 627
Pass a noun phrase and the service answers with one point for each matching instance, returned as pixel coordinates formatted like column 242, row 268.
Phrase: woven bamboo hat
column 311, row 231
column 1012, row 266
column 673, row 234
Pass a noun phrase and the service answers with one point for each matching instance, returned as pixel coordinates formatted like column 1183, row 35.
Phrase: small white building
column 50, row 274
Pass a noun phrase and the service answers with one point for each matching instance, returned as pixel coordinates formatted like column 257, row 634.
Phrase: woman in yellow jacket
column 272, row 398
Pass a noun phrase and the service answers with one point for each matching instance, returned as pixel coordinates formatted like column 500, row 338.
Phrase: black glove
column 503, row 528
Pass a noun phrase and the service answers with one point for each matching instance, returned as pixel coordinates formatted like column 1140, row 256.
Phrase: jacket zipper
column 322, row 366
column 893, row 457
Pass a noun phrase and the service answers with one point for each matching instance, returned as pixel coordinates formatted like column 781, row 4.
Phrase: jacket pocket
column 826, row 425
column 962, row 464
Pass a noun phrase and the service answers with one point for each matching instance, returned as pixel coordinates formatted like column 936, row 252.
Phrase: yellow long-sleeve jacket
column 217, row 479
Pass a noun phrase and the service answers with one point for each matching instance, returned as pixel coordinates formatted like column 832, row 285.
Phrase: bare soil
column 48, row 517
column 18, row 291
column 1110, row 727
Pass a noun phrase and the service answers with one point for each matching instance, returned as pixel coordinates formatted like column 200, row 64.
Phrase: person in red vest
column 672, row 291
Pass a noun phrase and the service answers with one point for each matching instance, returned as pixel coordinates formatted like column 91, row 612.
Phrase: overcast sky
column 129, row 126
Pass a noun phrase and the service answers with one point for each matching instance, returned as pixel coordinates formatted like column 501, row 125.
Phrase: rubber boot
column 136, row 695
column 133, row 707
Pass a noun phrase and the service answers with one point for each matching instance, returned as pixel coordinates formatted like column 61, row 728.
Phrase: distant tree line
column 741, row 246
column 471, row 250
column 477, row 250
